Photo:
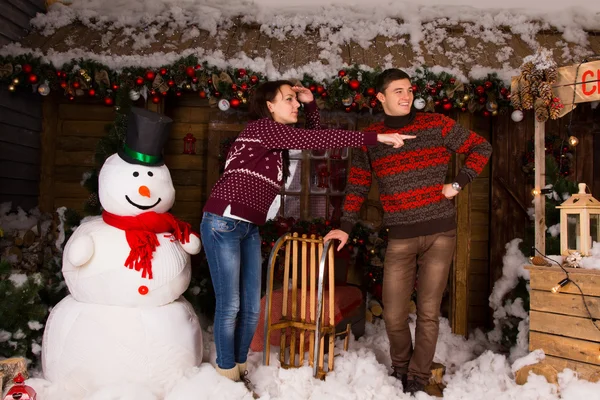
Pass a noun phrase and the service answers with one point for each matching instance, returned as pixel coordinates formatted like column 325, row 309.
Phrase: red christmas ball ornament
column 71, row 98
column 479, row 90
column 324, row 94
column 437, row 102
column 488, row 84
column 235, row 103
column 164, row 93
column 150, row 75
column 63, row 84
column 357, row 97
column 486, row 113
column 371, row 91
column 433, row 91
column 482, row 100
column 254, row 79
column 234, row 87
column 33, row 78
column 115, row 86
column 348, row 109
column 202, row 94
column 452, row 81
column 91, row 92
column 445, row 100
column 440, row 84
column 178, row 93
column 312, row 88
column 27, row 68
column 156, row 99
column 342, row 73
column 415, row 88
column 217, row 94
column 139, row 81
column 241, row 72
column 163, row 71
column 354, row 84
column 152, row 92
column 354, row 104
column 170, row 83
column 76, row 85
column 244, row 86
column 320, row 89
column 190, row 71
column 447, row 106
column 373, row 103
column 108, row 101
column 198, row 66
column 463, row 109
column 59, row 74
column 194, row 80
column 503, row 91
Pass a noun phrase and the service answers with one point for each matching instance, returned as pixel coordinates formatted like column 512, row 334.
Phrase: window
column 317, row 182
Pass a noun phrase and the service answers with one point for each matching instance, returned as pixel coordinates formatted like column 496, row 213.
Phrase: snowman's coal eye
column 136, row 174
column 150, row 173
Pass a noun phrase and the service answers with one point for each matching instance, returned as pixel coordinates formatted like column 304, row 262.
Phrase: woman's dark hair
column 258, row 109
column 388, row 76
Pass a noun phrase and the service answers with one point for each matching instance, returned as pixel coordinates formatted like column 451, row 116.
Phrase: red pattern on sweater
column 417, row 159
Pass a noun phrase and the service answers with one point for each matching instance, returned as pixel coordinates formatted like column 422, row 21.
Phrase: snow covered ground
column 361, row 373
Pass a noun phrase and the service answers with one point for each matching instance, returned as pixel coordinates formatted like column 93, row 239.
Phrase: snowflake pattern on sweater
column 253, row 173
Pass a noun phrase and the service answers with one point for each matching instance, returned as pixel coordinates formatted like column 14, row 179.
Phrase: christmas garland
column 352, row 90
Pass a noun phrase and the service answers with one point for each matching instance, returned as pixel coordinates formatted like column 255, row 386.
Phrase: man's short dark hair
column 388, row 76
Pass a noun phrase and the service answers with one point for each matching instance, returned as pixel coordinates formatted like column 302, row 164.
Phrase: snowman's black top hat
column 147, row 133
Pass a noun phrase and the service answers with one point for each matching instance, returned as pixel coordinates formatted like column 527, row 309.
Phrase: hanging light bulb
column 573, row 141
column 559, row 286
column 535, row 192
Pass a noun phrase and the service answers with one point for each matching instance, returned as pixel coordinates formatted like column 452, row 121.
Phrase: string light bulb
column 560, row 285
column 573, row 141
column 535, row 192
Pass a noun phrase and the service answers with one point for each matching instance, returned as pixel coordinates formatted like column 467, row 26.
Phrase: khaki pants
column 433, row 255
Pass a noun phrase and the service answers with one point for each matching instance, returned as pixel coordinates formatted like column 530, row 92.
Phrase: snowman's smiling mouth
column 141, row 207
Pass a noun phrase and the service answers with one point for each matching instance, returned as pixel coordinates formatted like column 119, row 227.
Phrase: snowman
column 125, row 320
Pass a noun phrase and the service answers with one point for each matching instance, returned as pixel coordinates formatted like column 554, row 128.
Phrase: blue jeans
column 233, row 252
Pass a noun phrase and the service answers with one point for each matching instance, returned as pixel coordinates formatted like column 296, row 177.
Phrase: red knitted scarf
column 141, row 231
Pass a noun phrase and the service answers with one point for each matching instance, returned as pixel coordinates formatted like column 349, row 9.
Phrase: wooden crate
column 559, row 322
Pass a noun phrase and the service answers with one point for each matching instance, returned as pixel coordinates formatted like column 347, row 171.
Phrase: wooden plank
column 73, row 203
column 478, row 298
column 563, row 303
column 84, row 128
column 193, row 115
column 19, row 187
column 188, row 193
column 563, row 325
column 26, row 7
column 14, row 14
column 75, row 158
column 25, row 202
column 86, row 112
column 70, row 173
column 48, row 145
column 75, row 143
column 545, row 278
column 189, row 178
column 23, row 102
column 462, row 256
column 175, row 146
column 563, row 347
column 18, row 119
column 539, row 202
column 70, row 189
column 18, row 135
column 13, row 32
column 584, row 371
column 180, row 129
column 18, row 170
column 16, row 152
column 186, row 161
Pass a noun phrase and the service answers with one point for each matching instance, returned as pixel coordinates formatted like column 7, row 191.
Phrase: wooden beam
column 540, row 181
column 48, row 147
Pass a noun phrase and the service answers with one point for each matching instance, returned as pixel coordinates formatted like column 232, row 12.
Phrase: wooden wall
column 20, row 117
column 15, row 16
column 511, row 190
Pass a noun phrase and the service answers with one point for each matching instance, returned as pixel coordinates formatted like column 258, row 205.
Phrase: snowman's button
column 143, row 290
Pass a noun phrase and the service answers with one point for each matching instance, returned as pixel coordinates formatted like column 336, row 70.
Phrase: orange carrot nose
column 144, row 191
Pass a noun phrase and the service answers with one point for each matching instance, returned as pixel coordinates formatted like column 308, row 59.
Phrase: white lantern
column 579, row 223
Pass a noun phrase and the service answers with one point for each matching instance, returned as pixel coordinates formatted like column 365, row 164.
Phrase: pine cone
column 526, row 70
column 515, row 100
column 551, row 75
column 539, row 260
column 93, row 200
column 545, row 93
column 541, row 111
column 554, row 112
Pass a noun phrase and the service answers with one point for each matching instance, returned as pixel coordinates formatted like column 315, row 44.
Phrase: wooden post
column 539, row 200
column 48, row 146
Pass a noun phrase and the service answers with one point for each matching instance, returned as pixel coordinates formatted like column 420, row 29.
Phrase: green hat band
column 145, row 158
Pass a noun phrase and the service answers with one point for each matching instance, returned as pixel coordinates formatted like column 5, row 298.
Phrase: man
column 418, row 213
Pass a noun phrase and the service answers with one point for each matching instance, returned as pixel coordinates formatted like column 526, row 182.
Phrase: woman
column 255, row 169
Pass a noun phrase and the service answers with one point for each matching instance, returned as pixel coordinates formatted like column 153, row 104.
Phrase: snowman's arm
column 193, row 246
column 81, row 250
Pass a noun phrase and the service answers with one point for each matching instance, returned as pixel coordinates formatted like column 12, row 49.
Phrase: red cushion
column 347, row 298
